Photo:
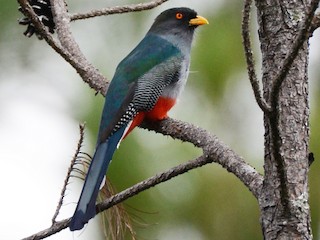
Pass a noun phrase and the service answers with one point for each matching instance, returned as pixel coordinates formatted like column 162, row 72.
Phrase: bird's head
column 177, row 21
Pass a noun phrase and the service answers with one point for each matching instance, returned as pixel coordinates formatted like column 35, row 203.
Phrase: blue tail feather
column 86, row 206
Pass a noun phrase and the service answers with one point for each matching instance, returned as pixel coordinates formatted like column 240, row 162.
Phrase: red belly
column 161, row 109
column 159, row 112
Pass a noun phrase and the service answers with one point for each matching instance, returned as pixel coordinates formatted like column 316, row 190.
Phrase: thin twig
column 117, row 10
column 70, row 169
column 153, row 181
column 249, row 58
column 296, row 46
column 134, row 190
column 55, row 228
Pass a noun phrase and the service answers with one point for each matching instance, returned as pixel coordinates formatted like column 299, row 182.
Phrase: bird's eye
column 179, row 16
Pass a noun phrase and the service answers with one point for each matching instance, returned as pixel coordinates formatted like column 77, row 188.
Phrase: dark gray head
column 177, row 22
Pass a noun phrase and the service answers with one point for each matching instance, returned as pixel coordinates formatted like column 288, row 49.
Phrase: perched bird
column 146, row 84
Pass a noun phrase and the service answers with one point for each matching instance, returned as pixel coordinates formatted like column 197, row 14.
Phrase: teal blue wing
column 150, row 52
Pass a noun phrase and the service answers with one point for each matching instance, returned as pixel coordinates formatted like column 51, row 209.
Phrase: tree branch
column 249, row 58
column 129, row 192
column 71, row 168
column 213, row 149
column 28, row 10
column 117, row 10
column 55, row 228
column 88, row 73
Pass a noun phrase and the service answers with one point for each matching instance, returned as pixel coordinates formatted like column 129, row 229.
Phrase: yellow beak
column 198, row 21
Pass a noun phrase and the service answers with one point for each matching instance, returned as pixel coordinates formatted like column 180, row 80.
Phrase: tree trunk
column 284, row 198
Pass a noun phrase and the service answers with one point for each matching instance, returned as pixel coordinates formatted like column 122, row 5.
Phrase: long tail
column 86, row 205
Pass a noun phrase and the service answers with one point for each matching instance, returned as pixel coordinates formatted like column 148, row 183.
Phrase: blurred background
column 43, row 100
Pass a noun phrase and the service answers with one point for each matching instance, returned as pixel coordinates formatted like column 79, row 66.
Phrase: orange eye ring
column 179, row 16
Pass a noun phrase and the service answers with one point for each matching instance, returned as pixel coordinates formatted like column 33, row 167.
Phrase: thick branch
column 212, row 148
column 88, row 73
column 249, row 58
column 117, row 10
column 43, row 31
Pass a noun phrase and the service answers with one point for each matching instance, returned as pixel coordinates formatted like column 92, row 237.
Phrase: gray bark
column 284, row 206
